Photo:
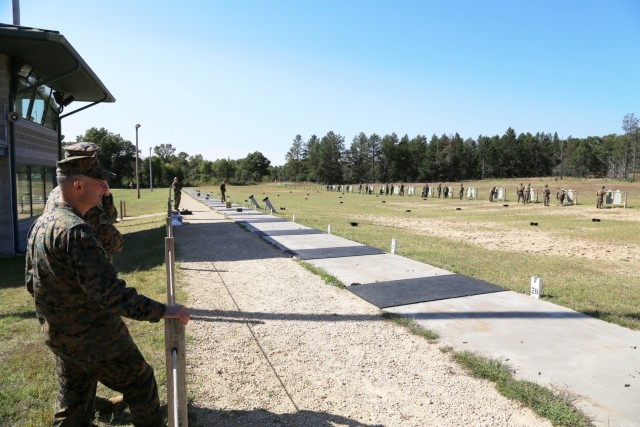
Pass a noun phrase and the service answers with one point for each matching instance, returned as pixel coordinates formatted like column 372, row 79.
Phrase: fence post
column 174, row 350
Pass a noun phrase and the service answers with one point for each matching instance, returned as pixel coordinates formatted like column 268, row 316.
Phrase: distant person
column 402, row 189
column 560, row 195
column 177, row 192
column 492, row 194
column 521, row 193
column 546, row 193
column 600, row 198
column 439, row 190
column 527, row 193
column 223, row 191
column 461, row 191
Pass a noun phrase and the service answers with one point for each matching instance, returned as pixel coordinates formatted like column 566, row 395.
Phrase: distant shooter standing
column 177, row 193
column 600, row 198
column 223, row 191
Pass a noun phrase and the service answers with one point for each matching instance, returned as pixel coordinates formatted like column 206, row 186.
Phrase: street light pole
column 137, row 176
column 150, row 171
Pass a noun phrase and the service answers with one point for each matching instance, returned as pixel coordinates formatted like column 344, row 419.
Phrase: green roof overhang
column 55, row 61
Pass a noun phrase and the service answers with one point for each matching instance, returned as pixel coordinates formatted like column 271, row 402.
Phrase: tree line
column 118, row 155
column 390, row 158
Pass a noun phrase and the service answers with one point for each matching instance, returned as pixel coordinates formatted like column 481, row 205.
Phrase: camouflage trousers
column 127, row 373
column 176, row 201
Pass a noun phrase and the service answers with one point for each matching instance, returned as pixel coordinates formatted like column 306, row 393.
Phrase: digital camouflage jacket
column 78, row 296
column 101, row 218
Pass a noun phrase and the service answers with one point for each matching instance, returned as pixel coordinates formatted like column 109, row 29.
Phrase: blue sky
column 227, row 78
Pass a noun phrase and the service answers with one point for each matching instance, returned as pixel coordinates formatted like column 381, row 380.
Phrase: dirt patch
column 532, row 240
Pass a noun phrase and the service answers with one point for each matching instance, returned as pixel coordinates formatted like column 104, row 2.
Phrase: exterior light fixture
column 25, row 70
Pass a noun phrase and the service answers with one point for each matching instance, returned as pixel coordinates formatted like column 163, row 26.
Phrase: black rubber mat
column 335, row 252
column 423, row 289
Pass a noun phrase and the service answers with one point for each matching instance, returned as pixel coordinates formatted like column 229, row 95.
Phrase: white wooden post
column 536, row 287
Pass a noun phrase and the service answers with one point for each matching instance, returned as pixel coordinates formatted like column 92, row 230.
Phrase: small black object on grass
column 596, row 220
column 282, row 209
column 354, row 224
column 239, row 210
column 458, row 209
column 506, row 206
column 341, row 202
column 533, row 223
column 384, row 201
column 408, row 210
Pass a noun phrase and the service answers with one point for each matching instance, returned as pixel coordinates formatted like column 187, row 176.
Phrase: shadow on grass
column 606, row 315
column 22, row 315
column 142, row 250
column 12, row 269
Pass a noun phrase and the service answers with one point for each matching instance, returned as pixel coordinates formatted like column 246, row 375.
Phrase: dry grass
column 591, row 267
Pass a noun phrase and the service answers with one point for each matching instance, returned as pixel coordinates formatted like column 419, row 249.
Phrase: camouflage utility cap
column 80, row 149
column 82, row 165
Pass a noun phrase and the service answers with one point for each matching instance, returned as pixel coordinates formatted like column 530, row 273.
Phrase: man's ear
column 78, row 184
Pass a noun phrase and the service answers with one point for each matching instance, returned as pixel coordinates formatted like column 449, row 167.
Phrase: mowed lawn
column 590, row 266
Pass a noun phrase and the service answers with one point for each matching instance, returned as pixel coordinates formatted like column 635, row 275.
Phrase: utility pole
column 150, row 171
column 16, row 12
column 137, row 173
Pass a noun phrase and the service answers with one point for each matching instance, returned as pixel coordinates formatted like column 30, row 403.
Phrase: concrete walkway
column 545, row 343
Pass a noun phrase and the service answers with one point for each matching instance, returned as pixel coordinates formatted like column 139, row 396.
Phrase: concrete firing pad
column 376, row 268
column 544, row 343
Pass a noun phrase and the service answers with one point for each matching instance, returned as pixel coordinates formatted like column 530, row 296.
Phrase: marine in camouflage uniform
column 177, row 192
column 600, row 198
column 102, row 217
column 80, row 301
column 546, row 193
column 520, row 192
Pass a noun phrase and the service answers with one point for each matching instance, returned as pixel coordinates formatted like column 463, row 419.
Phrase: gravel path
column 272, row 344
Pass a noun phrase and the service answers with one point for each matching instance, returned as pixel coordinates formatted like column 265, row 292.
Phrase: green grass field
column 591, row 267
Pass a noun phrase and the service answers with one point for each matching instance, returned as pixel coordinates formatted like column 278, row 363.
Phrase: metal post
column 137, row 153
column 150, row 171
column 174, row 351
column 16, row 12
